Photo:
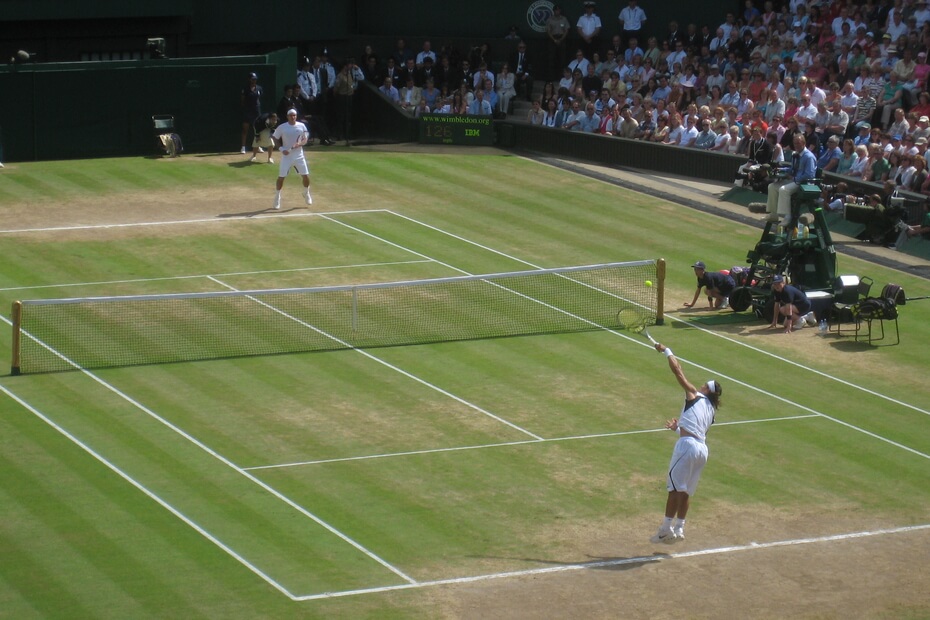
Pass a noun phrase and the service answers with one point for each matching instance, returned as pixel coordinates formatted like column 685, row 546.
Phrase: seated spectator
column 589, row 122
column 706, row 138
column 552, row 111
column 722, row 141
column 629, row 126
column 900, row 126
column 410, row 95
column 848, row 157
column 573, row 122
column 660, row 133
column 537, row 116
column 389, row 90
column 480, row 106
column 829, row 161
column 492, row 96
column 430, row 94
column 734, row 142
column 862, row 159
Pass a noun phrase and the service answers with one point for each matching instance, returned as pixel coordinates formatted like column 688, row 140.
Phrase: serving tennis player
column 291, row 138
column 690, row 453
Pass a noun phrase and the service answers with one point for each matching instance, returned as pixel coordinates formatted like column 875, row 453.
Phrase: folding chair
column 166, row 140
column 849, row 292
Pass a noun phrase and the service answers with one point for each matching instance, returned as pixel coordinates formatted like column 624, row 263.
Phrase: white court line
column 431, row 386
column 222, row 459
column 210, row 220
column 510, row 443
column 218, row 275
column 719, row 335
column 644, row 559
column 119, row 472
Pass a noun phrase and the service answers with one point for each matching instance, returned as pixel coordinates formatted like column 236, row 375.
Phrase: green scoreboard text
column 456, row 129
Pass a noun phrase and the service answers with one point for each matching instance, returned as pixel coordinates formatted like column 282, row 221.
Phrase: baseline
column 645, row 559
column 211, row 220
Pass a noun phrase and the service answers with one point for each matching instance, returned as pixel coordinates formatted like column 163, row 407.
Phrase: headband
column 713, row 386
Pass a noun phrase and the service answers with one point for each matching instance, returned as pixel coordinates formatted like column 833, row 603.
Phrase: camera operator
column 836, row 197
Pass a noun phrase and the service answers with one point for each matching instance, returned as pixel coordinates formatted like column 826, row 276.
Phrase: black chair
column 879, row 309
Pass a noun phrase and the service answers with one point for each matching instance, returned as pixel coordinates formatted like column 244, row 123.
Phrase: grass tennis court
column 493, row 478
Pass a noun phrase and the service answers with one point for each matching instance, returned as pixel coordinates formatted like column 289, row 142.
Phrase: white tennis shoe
column 679, row 534
column 810, row 319
column 664, row 535
column 242, row 150
column 277, row 202
column 308, row 197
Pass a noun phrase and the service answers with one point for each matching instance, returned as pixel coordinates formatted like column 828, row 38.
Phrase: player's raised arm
column 675, row 367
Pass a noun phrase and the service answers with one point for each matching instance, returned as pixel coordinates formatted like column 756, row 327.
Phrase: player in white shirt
column 291, row 138
column 690, row 454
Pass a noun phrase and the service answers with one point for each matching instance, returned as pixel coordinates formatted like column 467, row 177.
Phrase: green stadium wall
column 108, row 107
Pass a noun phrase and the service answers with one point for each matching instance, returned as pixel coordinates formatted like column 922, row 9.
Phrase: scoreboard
column 456, row 129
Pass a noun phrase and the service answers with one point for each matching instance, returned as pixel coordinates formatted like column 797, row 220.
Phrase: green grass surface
column 162, row 490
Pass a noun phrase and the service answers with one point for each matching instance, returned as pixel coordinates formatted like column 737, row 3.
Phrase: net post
column 660, row 291
column 17, row 318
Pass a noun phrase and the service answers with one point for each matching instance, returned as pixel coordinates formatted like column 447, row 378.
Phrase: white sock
column 679, row 524
column 667, row 524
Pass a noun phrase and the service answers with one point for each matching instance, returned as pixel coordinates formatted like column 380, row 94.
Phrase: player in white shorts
column 291, row 138
column 690, row 454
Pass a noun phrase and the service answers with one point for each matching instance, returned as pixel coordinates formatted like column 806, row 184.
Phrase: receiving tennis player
column 291, row 138
column 690, row 454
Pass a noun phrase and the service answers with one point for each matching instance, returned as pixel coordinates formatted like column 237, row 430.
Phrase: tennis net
column 96, row 332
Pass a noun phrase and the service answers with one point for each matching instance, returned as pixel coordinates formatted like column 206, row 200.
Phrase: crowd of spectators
column 851, row 78
column 450, row 81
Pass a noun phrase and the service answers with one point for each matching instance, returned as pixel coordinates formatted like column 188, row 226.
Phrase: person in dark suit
column 324, row 87
column 446, row 74
column 409, row 71
column 426, row 72
column 402, row 53
column 391, row 70
column 522, row 72
column 674, row 34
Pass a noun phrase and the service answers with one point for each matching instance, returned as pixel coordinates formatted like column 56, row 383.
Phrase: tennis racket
column 634, row 320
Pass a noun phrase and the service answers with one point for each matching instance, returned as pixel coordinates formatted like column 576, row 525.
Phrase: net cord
column 331, row 289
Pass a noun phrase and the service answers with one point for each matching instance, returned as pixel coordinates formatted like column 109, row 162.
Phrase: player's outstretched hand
column 660, row 347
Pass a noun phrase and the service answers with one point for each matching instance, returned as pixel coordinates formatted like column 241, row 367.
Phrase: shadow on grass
column 595, row 562
column 261, row 212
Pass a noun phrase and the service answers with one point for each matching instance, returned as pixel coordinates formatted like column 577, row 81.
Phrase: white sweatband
column 712, row 386
column 668, row 352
